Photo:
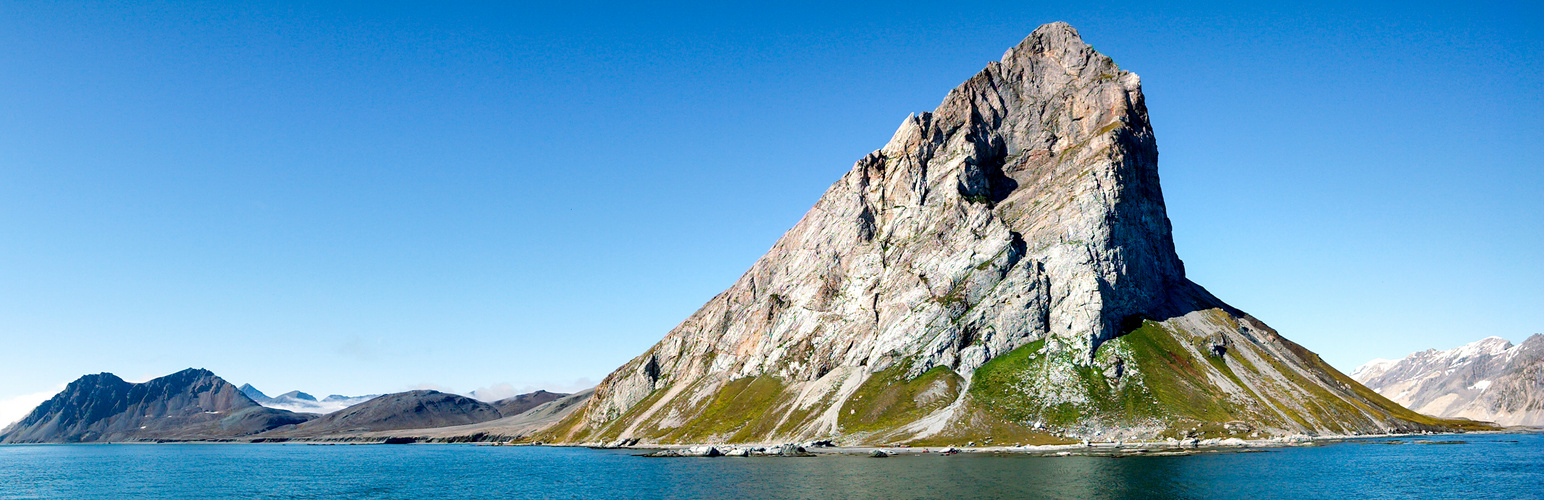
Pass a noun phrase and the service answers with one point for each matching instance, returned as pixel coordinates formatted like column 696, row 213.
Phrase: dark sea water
column 1482, row 466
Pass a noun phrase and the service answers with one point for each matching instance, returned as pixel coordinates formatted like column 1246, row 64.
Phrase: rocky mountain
column 301, row 402
column 516, row 405
column 297, row 396
column 1002, row 268
column 192, row 404
column 256, row 395
column 405, row 410
column 510, row 427
column 1489, row 379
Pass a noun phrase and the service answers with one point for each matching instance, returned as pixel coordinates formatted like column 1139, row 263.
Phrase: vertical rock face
column 1023, row 215
column 187, row 405
column 1489, row 379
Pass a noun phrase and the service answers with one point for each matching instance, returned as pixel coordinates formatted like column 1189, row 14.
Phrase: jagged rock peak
column 1025, row 207
column 1023, row 212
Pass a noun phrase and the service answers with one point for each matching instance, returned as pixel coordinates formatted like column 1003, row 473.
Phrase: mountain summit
column 1003, row 267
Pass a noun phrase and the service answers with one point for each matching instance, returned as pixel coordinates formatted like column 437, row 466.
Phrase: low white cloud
column 16, row 408
column 495, row 392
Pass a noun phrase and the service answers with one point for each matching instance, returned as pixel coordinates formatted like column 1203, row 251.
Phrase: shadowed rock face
column 188, row 405
column 1024, row 215
column 1489, row 379
column 404, row 410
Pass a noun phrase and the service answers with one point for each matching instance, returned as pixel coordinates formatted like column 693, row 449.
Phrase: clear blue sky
column 372, row 197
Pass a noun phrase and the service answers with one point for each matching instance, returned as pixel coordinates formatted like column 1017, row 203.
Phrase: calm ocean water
column 1489, row 466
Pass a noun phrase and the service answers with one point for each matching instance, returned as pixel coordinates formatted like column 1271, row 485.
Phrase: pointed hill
column 189, row 405
column 1003, row 267
column 256, row 395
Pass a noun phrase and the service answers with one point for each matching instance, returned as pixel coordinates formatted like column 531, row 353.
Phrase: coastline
column 1093, row 448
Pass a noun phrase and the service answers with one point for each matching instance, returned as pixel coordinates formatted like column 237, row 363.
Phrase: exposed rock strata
column 1489, row 379
column 1023, row 215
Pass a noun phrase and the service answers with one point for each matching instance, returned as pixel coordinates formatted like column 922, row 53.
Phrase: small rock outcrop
column 190, row 405
column 1489, row 380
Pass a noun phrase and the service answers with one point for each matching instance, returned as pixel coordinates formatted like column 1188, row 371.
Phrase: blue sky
column 362, row 198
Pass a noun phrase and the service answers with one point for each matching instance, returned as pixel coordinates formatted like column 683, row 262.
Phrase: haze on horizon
column 366, row 198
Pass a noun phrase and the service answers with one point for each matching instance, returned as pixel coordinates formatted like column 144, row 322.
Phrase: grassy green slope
column 1159, row 380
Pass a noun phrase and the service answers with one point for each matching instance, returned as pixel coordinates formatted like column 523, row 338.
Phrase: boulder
column 788, row 450
column 702, row 451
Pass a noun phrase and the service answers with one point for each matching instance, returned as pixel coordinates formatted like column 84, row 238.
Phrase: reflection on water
column 1498, row 466
column 962, row 476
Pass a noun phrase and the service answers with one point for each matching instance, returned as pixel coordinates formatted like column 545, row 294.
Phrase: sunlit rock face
column 1024, row 212
column 1489, row 379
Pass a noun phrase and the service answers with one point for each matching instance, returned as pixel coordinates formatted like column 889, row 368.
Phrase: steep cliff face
column 1489, row 379
column 184, row 406
column 1023, row 220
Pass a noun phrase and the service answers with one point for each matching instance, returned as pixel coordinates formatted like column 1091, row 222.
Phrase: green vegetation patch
column 740, row 411
column 798, row 418
column 1175, row 378
column 888, row 399
column 613, row 429
column 1161, row 380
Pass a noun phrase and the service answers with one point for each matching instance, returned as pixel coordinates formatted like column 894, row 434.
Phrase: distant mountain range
column 196, row 405
column 188, row 405
column 301, row 402
column 1490, row 380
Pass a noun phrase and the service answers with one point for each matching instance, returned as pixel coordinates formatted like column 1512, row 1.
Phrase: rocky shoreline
column 1170, row 447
